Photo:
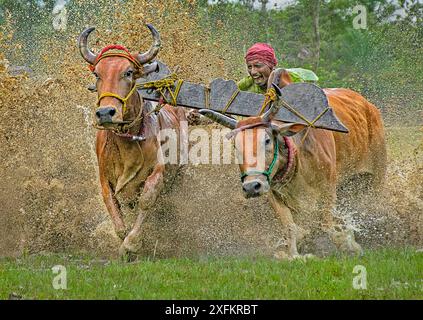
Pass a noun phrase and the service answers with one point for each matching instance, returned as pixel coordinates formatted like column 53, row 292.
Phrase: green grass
column 391, row 274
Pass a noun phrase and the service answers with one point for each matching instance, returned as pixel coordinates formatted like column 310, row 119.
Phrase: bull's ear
column 287, row 129
column 150, row 67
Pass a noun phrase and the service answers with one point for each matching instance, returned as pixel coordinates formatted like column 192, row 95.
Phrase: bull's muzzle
column 105, row 115
column 254, row 188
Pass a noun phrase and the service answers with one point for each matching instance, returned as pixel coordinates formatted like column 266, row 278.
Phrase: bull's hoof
column 128, row 257
column 345, row 242
column 282, row 255
column 127, row 253
column 130, row 245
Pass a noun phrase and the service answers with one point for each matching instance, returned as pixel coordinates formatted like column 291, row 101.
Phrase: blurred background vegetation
column 384, row 61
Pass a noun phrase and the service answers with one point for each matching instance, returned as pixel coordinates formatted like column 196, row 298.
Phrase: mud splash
column 49, row 193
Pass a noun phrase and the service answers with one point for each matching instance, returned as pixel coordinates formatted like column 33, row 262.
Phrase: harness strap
column 281, row 175
column 116, row 96
column 125, row 54
column 268, row 172
column 299, row 115
column 165, row 85
column 270, row 96
column 231, row 99
column 207, row 97
column 161, row 85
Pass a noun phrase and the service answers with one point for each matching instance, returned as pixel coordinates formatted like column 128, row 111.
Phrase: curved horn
column 86, row 53
column 219, row 118
column 274, row 77
column 274, row 108
column 154, row 50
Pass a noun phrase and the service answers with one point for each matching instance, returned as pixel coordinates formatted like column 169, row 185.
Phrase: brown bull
column 301, row 169
column 127, row 146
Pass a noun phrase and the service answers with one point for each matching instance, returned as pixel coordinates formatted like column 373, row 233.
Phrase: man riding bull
column 261, row 61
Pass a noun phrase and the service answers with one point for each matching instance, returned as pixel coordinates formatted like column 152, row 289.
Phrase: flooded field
column 49, row 191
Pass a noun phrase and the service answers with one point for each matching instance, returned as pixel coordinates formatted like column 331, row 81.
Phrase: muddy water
column 49, row 191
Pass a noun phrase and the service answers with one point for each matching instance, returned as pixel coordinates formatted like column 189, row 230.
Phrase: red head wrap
column 262, row 52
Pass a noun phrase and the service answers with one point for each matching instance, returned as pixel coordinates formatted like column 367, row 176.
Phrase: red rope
column 128, row 55
column 290, row 162
column 111, row 47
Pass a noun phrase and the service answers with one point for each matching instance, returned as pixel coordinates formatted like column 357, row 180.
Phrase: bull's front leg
column 113, row 208
column 152, row 187
column 295, row 232
column 341, row 237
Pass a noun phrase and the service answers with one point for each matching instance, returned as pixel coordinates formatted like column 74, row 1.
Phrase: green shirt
column 297, row 75
column 247, row 84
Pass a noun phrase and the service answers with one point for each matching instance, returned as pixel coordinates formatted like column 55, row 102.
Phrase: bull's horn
column 219, row 118
column 274, row 108
column 274, row 77
column 151, row 67
column 86, row 53
column 154, row 50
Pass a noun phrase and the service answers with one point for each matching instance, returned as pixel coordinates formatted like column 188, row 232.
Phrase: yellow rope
column 114, row 95
column 156, row 109
column 207, row 97
column 175, row 94
column 299, row 115
column 164, row 85
column 270, row 96
column 158, row 84
column 312, row 124
column 230, row 101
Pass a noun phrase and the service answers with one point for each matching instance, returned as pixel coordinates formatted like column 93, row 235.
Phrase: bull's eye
column 96, row 75
column 267, row 141
column 128, row 74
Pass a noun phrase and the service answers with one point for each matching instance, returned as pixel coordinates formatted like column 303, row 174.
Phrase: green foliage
column 384, row 61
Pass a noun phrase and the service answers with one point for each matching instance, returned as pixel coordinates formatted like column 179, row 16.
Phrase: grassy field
column 391, row 274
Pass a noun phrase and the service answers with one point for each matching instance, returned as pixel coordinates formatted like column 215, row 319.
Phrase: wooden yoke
column 303, row 103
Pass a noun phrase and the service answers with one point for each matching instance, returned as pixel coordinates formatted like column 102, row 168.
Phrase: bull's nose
column 105, row 114
column 253, row 188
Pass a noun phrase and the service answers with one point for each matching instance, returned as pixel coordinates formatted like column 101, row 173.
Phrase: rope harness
column 281, row 176
column 269, row 97
column 118, row 97
column 231, row 99
column 163, row 86
column 268, row 172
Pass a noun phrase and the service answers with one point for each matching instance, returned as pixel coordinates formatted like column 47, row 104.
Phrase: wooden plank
column 307, row 99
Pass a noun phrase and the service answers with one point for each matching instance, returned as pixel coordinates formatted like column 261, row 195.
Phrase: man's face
column 259, row 71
